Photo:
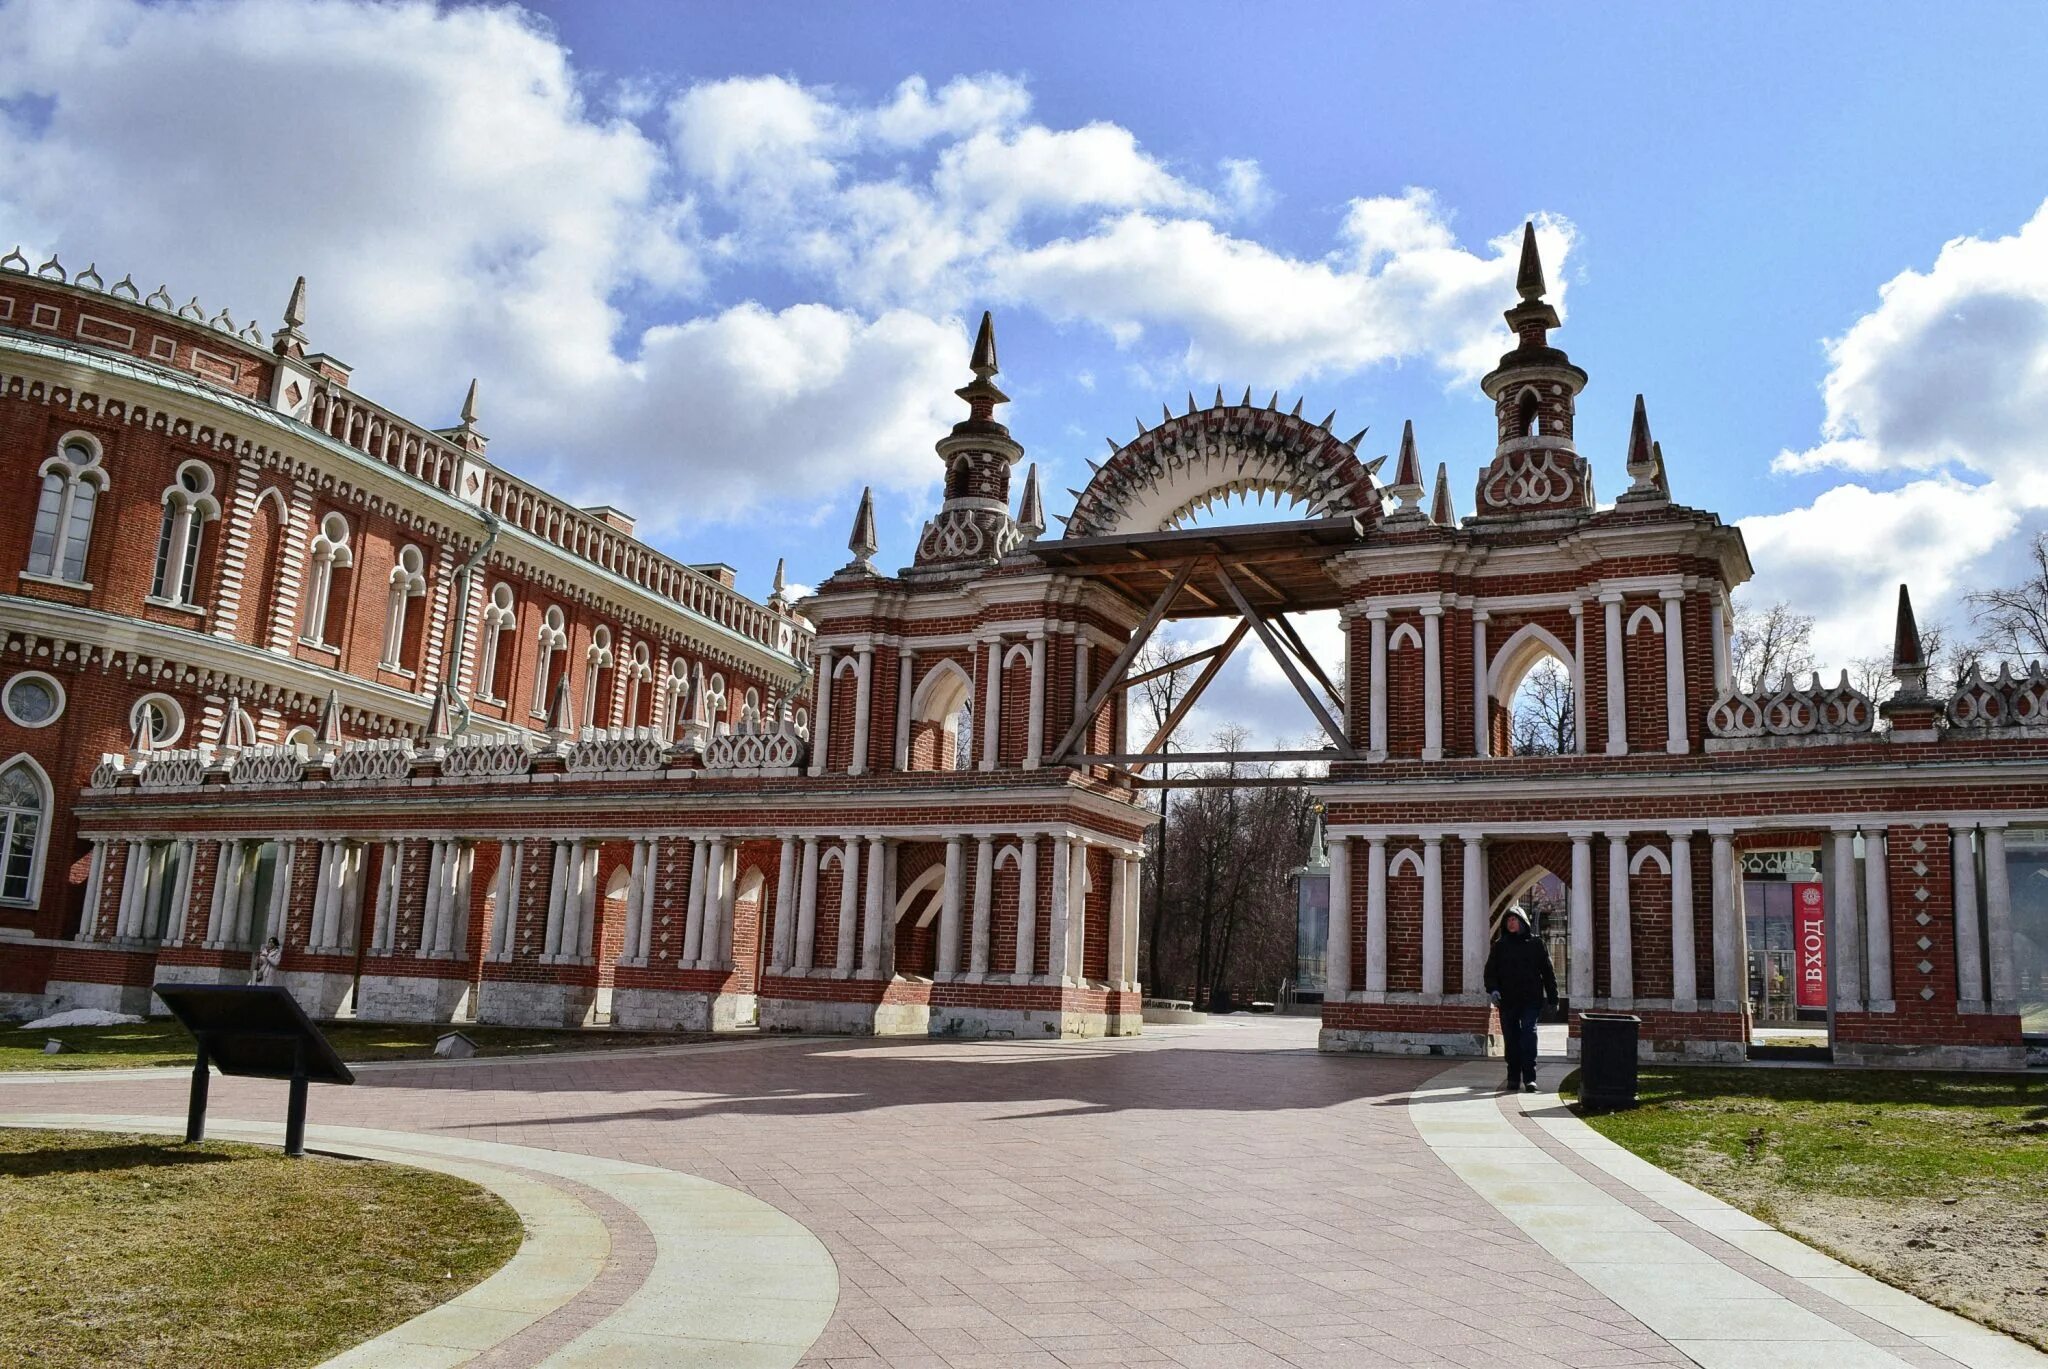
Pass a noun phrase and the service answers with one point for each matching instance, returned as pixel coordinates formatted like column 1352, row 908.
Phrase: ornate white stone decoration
column 2008, row 701
column 384, row 760
column 617, row 749
column 1793, row 711
column 476, row 756
column 269, row 765
column 750, row 750
column 181, row 769
column 968, row 534
column 1531, row 479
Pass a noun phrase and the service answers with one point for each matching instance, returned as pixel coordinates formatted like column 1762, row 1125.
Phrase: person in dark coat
column 1520, row 982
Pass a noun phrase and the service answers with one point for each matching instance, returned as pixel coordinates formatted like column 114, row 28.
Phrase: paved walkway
column 1201, row 1196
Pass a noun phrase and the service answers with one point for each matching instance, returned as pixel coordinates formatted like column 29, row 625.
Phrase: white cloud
column 964, row 105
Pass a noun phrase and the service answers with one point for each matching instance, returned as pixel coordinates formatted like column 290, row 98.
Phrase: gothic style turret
column 1535, row 468
column 974, row 525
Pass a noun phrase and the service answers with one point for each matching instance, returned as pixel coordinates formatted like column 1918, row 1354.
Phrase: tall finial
column 1906, row 650
column 1407, row 486
column 863, row 543
column 440, row 726
column 981, row 393
column 329, row 733
column 469, row 405
column 1440, row 511
column 778, row 591
column 983, row 362
column 295, row 307
column 290, row 340
column 1642, row 457
column 145, row 731
column 1662, row 480
column 229, row 737
column 1529, row 278
column 1030, row 509
column 561, row 723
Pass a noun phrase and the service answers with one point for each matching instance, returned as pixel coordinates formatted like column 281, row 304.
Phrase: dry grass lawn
column 161, row 1041
column 138, row 1251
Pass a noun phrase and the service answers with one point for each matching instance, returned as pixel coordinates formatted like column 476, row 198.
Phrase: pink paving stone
column 1221, row 1195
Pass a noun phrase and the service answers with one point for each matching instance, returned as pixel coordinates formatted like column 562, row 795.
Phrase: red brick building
column 938, row 829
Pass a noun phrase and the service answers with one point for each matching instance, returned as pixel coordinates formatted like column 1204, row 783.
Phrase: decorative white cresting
column 602, row 750
column 475, row 756
column 181, row 769
column 1793, row 711
column 745, row 750
column 377, row 760
column 2008, row 701
column 965, row 533
column 269, row 766
column 1165, row 475
column 1531, row 479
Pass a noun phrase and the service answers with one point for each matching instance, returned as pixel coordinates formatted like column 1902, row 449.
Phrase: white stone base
column 1684, row 1052
column 62, row 995
column 813, row 1017
column 1464, row 1044
column 1126, row 1024
column 685, row 1010
column 21, row 1007
column 323, row 994
column 407, row 998
column 1875, row 1055
column 1021, row 1024
column 903, row 1019
column 513, row 1003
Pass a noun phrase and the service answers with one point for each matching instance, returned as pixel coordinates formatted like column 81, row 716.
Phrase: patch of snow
column 83, row 1017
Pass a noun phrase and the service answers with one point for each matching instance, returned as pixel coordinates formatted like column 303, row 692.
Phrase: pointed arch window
column 24, row 804
column 639, row 687
column 330, row 555
column 494, row 671
column 72, row 482
column 598, row 663
column 714, row 705
column 1528, row 416
column 552, row 659
column 408, row 582
column 189, row 505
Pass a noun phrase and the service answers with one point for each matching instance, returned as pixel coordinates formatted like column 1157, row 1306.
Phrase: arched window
column 188, row 504
column 166, row 718
column 494, row 671
column 73, row 481
column 750, row 711
column 24, row 799
column 714, row 705
column 301, row 736
column 639, row 687
column 1528, row 420
column 330, row 554
column 598, row 663
column 942, row 720
column 552, row 660
column 408, row 582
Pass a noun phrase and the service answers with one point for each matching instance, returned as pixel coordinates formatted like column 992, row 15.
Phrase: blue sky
column 718, row 263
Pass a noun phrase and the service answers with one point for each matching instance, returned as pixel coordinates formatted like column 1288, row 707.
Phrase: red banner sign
column 1810, row 945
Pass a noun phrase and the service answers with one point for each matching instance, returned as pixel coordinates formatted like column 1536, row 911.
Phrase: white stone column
column 1337, row 947
column 1377, row 744
column 1432, row 913
column 863, row 710
column 1077, row 911
column 949, row 911
column 1877, row 918
column 1027, row 909
column 1057, row 942
column 1845, row 948
column 226, row 868
column 1034, row 743
column 984, row 895
column 1476, row 899
column 1684, row 965
column 1717, row 626
column 905, row 663
column 1621, row 946
column 1134, row 884
column 1731, row 976
column 1482, row 720
column 871, row 966
column 1677, row 734
column 1617, row 691
column 807, row 910
column 1580, row 975
column 784, row 945
column 693, row 915
column 1998, row 933
column 320, row 888
column 1081, row 683
column 181, row 895
column 1969, row 940
column 992, row 714
column 1578, row 612
column 821, row 727
column 717, row 907
column 1376, row 914
column 1119, row 889
column 1432, row 683
column 504, row 929
column 558, row 889
column 849, row 907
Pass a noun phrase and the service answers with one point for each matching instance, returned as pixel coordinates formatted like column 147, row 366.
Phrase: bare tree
column 2014, row 619
column 1949, row 656
column 1544, row 720
column 1770, row 644
column 1160, row 695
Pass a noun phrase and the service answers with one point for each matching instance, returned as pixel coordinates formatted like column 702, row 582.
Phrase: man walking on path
column 1520, row 982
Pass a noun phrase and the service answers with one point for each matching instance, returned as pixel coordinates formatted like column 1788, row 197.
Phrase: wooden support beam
column 1112, row 677
column 1301, row 650
column 1187, row 700
column 1287, row 665
column 1179, row 758
column 1192, row 658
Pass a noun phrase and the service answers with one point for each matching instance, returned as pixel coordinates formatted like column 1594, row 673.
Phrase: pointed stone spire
column 778, row 593
column 1441, row 512
column 469, row 405
column 328, row 735
column 1906, row 650
column 561, row 723
column 1913, row 715
column 145, row 733
column 983, row 362
column 981, row 393
column 1643, row 464
column 863, row 543
column 1407, row 486
column 440, row 724
column 1031, row 510
column 1529, row 282
column 696, row 708
column 290, row 340
column 229, row 735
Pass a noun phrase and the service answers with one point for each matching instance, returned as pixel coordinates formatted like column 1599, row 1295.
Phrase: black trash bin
column 1607, row 1059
